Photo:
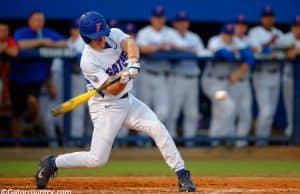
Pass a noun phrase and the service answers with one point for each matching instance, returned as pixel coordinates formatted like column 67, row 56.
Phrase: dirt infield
column 157, row 185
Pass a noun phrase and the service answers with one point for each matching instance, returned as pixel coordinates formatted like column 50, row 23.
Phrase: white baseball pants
column 108, row 117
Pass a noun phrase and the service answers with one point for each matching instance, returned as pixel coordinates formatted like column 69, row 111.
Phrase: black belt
column 218, row 77
column 222, row 78
column 185, row 76
column 124, row 96
column 267, row 71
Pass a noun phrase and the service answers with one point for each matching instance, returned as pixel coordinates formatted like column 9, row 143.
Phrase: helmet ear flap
column 85, row 39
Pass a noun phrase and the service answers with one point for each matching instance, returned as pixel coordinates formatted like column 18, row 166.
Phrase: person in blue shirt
column 27, row 76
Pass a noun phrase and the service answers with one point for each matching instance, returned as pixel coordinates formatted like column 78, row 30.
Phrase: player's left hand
column 133, row 66
column 125, row 77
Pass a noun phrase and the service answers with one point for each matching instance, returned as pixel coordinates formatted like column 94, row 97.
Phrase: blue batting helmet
column 92, row 25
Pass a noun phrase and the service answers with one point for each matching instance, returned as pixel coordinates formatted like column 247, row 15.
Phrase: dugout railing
column 68, row 56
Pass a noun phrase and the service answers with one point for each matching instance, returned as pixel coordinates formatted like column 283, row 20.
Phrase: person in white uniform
column 266, row 75
column 243, row 99
column 184, row 82
column 78, row 82
column 110, row 52
column 293, row 42
column 222, row 74
column 150, row 39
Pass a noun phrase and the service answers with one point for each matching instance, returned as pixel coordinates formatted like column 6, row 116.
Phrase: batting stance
column 109, row 52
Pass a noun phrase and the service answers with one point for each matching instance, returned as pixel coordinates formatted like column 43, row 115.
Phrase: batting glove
column 125, row 77
column 133, row 66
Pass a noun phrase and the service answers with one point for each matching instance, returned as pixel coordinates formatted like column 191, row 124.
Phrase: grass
column 152, row 168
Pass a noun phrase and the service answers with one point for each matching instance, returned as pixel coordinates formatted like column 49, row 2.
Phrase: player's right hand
column 133, row 67
column 125, row 77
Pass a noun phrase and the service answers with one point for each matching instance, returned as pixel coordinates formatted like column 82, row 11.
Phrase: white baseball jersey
column 223, row 68
column 290, row 40
column 148, row 36
column 98, row 66
column 243, row 40
column 259, row 36
column 76, row 45
column 193, row 43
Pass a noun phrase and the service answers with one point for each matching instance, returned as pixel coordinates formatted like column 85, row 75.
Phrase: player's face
column 268, row 21
column 227, row 38
column 36, row 21
column 181, row 26
column 98, row 43
column 3, row 31
column 296, row 31
column 240, row 29
column 74, row 32
column 158, row 22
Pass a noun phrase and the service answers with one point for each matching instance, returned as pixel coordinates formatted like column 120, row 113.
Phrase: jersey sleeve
column 254, row 39
column 95, row 76
column 213, row 44
column 141, row 38
column 117, row 36
column 198, row 44
column 174, row 38
column 282, row 40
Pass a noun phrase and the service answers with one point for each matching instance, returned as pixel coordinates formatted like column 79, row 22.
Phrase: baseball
column 221, row 95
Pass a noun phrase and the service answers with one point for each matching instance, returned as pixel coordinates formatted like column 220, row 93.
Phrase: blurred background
column 40, row 48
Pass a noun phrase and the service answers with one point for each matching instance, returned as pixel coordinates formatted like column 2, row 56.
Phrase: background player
column 184, row 82
column 76, row 43
column 241, row 90
column 150, row 39
column 293, row 41
column 9, row 48
column 266, row 75
column 27, row 76
column 223, row 75
column 110, row 52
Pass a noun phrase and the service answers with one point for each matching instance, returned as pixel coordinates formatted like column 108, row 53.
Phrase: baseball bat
column 78, row 100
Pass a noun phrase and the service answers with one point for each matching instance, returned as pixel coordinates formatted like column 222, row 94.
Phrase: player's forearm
column 243, row 69
column 27, row 44
column 115, row 88
column 130, row 48
column 60, row 44
column 147, row 49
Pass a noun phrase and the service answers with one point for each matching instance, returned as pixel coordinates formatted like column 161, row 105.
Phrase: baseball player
column 266, row 76
column 76, row 43
column 293, row 41
column 184, row 83
column 52, row 94
column 150, row 39
column 222, row 74
column 243, row 99
column 109, row 52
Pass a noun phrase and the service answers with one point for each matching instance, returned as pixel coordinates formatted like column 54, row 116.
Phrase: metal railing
column 68, row 55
